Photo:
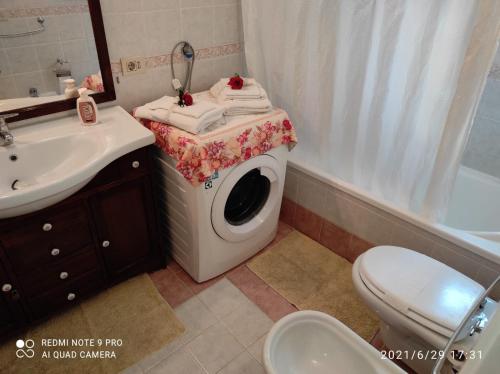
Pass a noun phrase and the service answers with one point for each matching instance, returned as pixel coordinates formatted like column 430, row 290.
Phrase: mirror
column 46, row 50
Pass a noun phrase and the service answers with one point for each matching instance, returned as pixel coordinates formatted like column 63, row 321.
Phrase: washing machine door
column 246, row 198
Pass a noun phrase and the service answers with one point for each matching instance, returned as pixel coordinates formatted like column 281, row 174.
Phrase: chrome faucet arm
column 6, row 138
column 443, row 357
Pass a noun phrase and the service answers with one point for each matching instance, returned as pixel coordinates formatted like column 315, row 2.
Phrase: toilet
column 310, row 342
column 419, row 300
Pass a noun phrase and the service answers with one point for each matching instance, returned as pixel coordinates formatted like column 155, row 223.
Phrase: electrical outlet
column 133, row 65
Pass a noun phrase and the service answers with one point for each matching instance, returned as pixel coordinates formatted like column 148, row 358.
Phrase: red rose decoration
column 188, row 99
column 235, row 82
column 287, row 125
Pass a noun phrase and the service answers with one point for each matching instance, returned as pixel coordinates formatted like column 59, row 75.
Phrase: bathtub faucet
column 6, row 138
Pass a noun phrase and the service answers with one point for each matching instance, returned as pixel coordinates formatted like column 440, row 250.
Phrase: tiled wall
column 483, row 149
column 150, row 28
column 334, row 217
column 28, row 61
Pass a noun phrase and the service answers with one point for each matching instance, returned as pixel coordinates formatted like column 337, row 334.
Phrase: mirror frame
column 104, row 64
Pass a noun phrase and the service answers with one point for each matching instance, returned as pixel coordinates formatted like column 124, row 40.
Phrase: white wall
column 483, row 149
column 150, row 28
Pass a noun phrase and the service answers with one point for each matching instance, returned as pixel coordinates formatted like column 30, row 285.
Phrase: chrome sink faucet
column 6, row 138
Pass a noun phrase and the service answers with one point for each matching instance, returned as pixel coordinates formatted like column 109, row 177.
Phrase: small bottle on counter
column 87, row 109
column 70, row 91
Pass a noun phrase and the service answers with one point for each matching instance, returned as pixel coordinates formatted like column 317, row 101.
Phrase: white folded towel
column 250, row 90
column 194, row 118
column 196, row 125
column 251, row 99
column 164, row 102
column 197, row 110
column 240, row 107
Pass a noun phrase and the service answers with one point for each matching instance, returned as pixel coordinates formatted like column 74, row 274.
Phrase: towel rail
column 40, row 21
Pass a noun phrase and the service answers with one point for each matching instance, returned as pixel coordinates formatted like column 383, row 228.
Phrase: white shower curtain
column 382, row 92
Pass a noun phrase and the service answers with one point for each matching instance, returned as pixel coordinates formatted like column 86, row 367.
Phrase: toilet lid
column 423, row 289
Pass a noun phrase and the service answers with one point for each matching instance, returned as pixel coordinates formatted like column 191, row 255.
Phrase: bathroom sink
column 51, row 160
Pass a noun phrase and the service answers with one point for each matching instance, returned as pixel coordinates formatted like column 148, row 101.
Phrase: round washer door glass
column 246, row 198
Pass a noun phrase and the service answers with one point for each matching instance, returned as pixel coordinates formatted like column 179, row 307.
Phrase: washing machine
column 217, row 225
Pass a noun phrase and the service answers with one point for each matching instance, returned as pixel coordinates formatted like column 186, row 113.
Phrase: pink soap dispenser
column 87, row 109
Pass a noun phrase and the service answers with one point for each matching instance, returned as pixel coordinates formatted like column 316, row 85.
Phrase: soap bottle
column 70, row 91
column 87, row 109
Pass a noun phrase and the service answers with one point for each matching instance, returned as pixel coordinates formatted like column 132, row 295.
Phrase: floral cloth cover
column 199, row 156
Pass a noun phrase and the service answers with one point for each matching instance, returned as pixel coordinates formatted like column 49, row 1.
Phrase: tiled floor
column 226, row 320
column 225, row 333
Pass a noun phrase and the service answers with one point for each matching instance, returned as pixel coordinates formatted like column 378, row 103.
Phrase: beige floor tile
column 222, row 298
column 243, row 364
column 180, row 362
column 215, row 348
column 247, row 323
column 257, row 348
column 195, row 315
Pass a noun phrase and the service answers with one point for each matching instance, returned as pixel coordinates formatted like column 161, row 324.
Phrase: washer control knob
column 55, row 252
column 47, row 227
column 106, row 243
column 136, row 164
column 63, row 275
column 71, row 296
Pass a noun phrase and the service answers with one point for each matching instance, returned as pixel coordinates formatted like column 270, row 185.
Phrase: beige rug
column 133, row 311
column 312, row 277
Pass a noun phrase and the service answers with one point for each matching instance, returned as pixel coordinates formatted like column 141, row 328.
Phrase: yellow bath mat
column 312, row 277
column 132, row 313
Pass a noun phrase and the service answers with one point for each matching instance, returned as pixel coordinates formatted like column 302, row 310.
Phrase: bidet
column 312, row 342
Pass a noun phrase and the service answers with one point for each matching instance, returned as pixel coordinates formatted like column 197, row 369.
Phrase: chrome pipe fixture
column 188, row 53
column 40, row 21
column 475, row 329
column 6, row 138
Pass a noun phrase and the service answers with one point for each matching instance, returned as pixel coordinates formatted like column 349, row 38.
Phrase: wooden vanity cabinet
column 122, row 217
column 103, row 234
column 11, row 313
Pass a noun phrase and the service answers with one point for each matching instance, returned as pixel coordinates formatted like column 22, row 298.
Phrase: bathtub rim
column 481, row 247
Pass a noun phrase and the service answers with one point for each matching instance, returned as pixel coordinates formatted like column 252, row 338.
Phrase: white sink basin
column 56, row 158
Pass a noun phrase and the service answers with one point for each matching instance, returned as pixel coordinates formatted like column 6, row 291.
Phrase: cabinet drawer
column 34, row 242
column 64, row 272
column 134, row 164
column 67, row 295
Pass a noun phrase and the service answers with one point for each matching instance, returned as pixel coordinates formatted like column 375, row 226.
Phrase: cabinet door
column 124, row 219
column 11, row 314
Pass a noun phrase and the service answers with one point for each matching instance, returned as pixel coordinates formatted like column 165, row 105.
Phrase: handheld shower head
column 187, row 50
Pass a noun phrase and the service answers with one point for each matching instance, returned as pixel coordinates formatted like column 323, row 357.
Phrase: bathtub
column 473, row 217
column 475, row 204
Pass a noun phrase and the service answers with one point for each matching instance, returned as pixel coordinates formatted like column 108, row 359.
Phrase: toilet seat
column 419, row 287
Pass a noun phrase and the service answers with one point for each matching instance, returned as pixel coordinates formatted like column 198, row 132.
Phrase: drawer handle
column 7, row 287
column 106, row 243
column 71, row 296
column 63, row 275
column 136, row 164
column 55, row 252
column 47, row 227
